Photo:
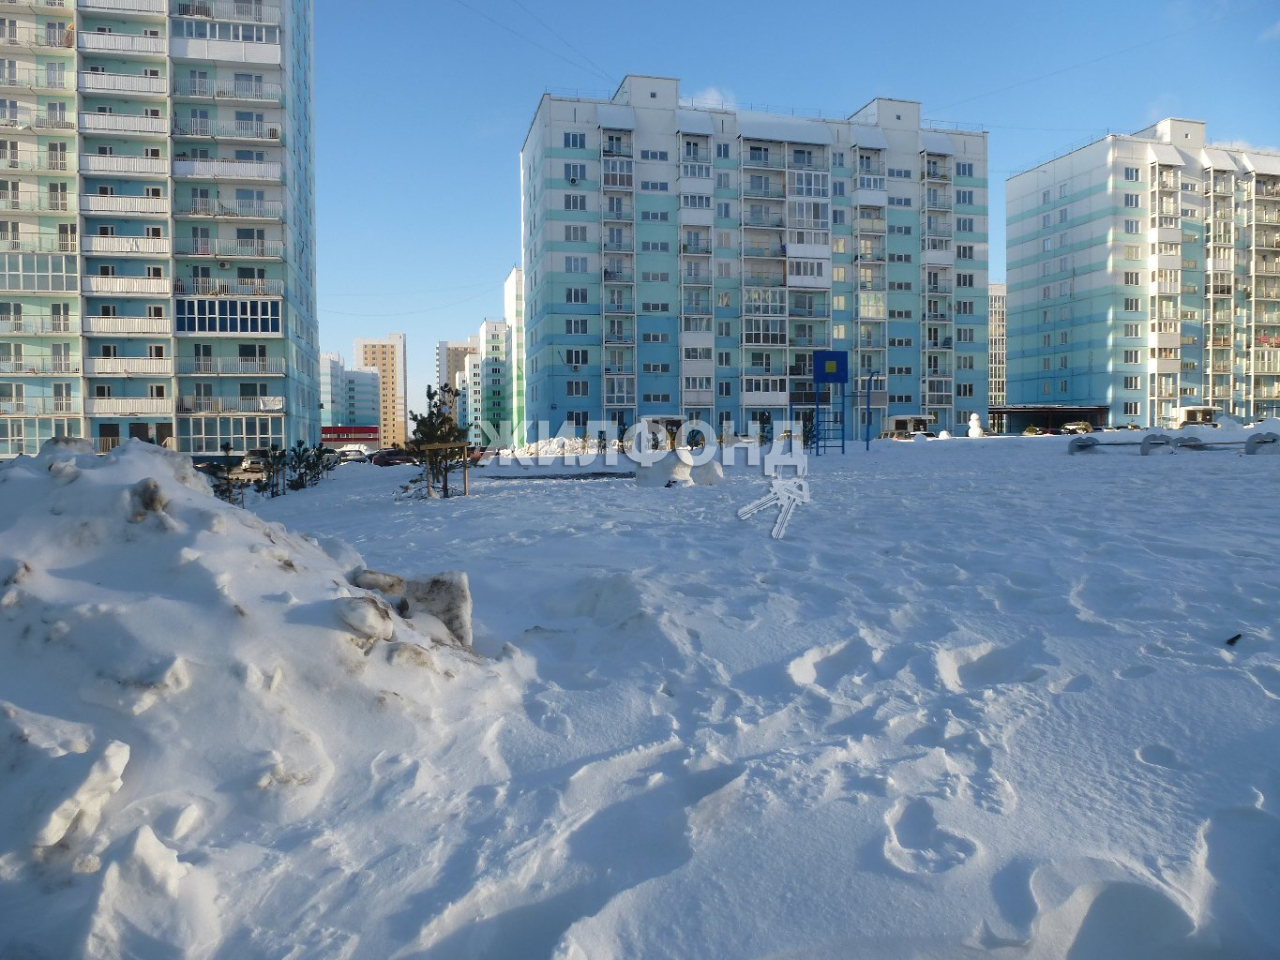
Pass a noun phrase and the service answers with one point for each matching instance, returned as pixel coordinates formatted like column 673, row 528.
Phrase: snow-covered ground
column 980, row 701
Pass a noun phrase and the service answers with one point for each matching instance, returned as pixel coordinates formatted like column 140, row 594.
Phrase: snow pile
column 183, row 686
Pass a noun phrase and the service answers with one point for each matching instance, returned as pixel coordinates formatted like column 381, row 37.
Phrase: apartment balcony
column 761, row 398
column 230, row 405
column 122, row 43
column 56, row 36
column 620, row 334
column 99, row 164
column 769, row 221
column 92, row 82
column 242, row 90
column 939, row 172
column 760, row 192
column 239, row 10
column 695, row 309
column 231, row 367
column 33, row 160
column 764, row 280
column 701, row 248
column 618, row 276
column 111, row 204
column 618, row 246
column 241, row 210
column 128, row 366
column 35, row 203
column 39, row 325
column 937, row 203
column 227, row 129
column 39, row 367
column 118, row 124
column 135, row 286
column 229, row 288
column 152, row 7
column 48, row 121
column 763, row 160
column 127, row 326
column 128, row 406
column 871, row 225
column 765, row 252
column 41, row 407
column 41, row 80
column 39, row 6
column 819, row 311
column 125, row 246
column 809, row 397
column 231, row 248
column 618, row 215
column 223, row 169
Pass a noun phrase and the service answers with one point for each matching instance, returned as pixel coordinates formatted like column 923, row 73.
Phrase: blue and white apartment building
column 157, row 239
column 1144, row 276
column 684, row 261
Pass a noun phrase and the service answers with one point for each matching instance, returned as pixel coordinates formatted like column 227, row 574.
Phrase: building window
column 964, row 389
column 575, row 233
column 575, row 201
column 1131, row 226
column 575, row 265
column 964, row 169
column 575, row 295
column 964, row 251
column 1132, row 356
column 1131, row 200
column 722, row 151
column 575, row 141
column 575, row 358
column 1132, row 304
column 964, row 334
column 1131, row 408
column 653, row 155
column 1131, row 174
column 575, row 388
column 1132, row 383
column 964, row 279
column 575, row 171
column 575, row 325
column 724, row 388
column 964, row 224
column 655, row 186
column 1132, row 278
column 964, row 197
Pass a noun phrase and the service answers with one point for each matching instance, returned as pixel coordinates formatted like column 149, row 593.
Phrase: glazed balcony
column 128, row 366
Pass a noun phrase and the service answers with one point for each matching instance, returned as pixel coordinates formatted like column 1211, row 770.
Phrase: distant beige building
column 451, row 355
column 387, row 356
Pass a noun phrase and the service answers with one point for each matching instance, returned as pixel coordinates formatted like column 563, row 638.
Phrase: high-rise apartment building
column 387, row 356
column 684, row 261
column 450, row 357
column 349, row 396
column 513, row 313
column 1144, row 276
column 157, row 273
column 997, row 351
column 495, row 372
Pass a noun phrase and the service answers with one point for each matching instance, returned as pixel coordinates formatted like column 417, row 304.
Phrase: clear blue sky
column 422, row 105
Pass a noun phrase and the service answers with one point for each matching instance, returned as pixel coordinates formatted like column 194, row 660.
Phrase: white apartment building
column 157, row 274
column 1144, row 276
column 997, row 351
column 685, row 261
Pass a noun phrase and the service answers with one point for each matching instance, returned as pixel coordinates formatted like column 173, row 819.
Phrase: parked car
column 1078, row 426
column 391, row 458
column 255, row 461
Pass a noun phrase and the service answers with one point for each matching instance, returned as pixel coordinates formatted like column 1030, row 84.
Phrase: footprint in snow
column 916, row 844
